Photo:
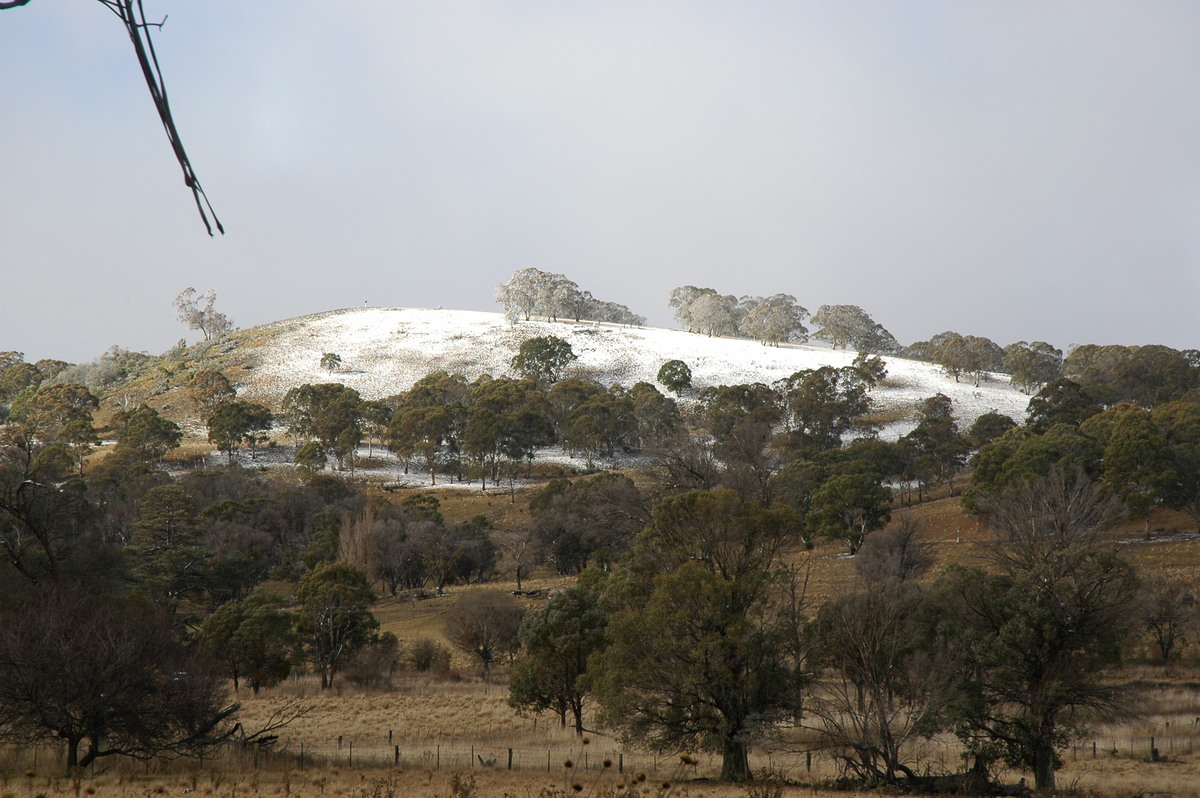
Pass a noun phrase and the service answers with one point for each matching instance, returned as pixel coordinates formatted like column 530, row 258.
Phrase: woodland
column 659, row 587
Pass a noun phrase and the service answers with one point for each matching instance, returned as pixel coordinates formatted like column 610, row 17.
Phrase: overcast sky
column 1017, row 170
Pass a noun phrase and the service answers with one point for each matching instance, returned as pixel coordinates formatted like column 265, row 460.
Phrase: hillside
column 384, row 350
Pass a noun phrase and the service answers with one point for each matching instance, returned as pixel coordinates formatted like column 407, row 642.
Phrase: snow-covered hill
column 384, row 350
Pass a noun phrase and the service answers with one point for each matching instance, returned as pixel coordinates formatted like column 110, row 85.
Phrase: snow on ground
column 385, row 350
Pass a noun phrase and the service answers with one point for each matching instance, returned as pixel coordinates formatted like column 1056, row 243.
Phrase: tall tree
column 506, row 420
column 699, row 654
column 333, row 619
column 253, row 639
column 675, row 376
column 822, row 405
column 1034, row 637
column 1179, row 422
column 557, row 641
column 883, row 688
column 851, row 502
column 969, row 355
column 146, row 433
column 235, row 423
column 587, row 522
column 209, row 389
column 1032, row 365
column 330, row 413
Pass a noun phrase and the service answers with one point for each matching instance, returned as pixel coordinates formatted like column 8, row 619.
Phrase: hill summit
column 383, row 351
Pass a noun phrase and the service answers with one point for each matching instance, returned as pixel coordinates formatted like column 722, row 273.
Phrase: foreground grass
column 231, row 778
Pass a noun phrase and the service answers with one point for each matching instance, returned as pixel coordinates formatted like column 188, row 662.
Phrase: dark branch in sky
column 133, row 16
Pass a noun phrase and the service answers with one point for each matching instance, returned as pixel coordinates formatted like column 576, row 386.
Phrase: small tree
column 557, row 640
column 675, row 376
column 331, row 362
column 1168, row 614
column 198, row 313
column 542, row 359
column 483, row 624
column 253, row 638
column 894, row 554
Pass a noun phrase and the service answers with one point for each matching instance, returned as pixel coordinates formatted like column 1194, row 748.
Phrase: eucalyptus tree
column 699, row 653
column 1035, row 636
column 557, row 641
column 850, row 326
column 774, row 320
column 1032, row 365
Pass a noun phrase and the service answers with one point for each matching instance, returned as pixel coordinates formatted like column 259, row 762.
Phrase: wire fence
column 599, row 755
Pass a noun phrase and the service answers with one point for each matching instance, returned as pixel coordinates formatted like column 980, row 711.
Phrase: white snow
column 385, row 350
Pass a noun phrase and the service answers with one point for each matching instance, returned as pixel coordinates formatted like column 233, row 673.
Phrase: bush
column 374, row 664
column 428, row 655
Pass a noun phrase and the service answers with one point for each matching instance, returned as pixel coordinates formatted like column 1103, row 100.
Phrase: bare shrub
column 895, row 553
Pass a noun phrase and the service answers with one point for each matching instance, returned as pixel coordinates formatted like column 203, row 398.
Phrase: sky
column 1014, row 169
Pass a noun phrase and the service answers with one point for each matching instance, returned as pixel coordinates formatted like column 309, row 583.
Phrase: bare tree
column 1063, row 510
column 882, row 690
column 1168, row 613
column 484, row 624
column 895, row 553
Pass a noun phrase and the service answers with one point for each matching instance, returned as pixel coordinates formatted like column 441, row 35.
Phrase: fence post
column 351, row 753
column 621, row 763
column 397, row 756
column 510, row 759
column 439, row 757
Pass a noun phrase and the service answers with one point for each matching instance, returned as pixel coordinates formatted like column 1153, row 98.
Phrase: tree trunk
column 1043, row 766
column 577, row 710
column 735, row 762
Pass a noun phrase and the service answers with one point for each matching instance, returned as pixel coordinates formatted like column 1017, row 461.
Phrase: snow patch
column 385, row 350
